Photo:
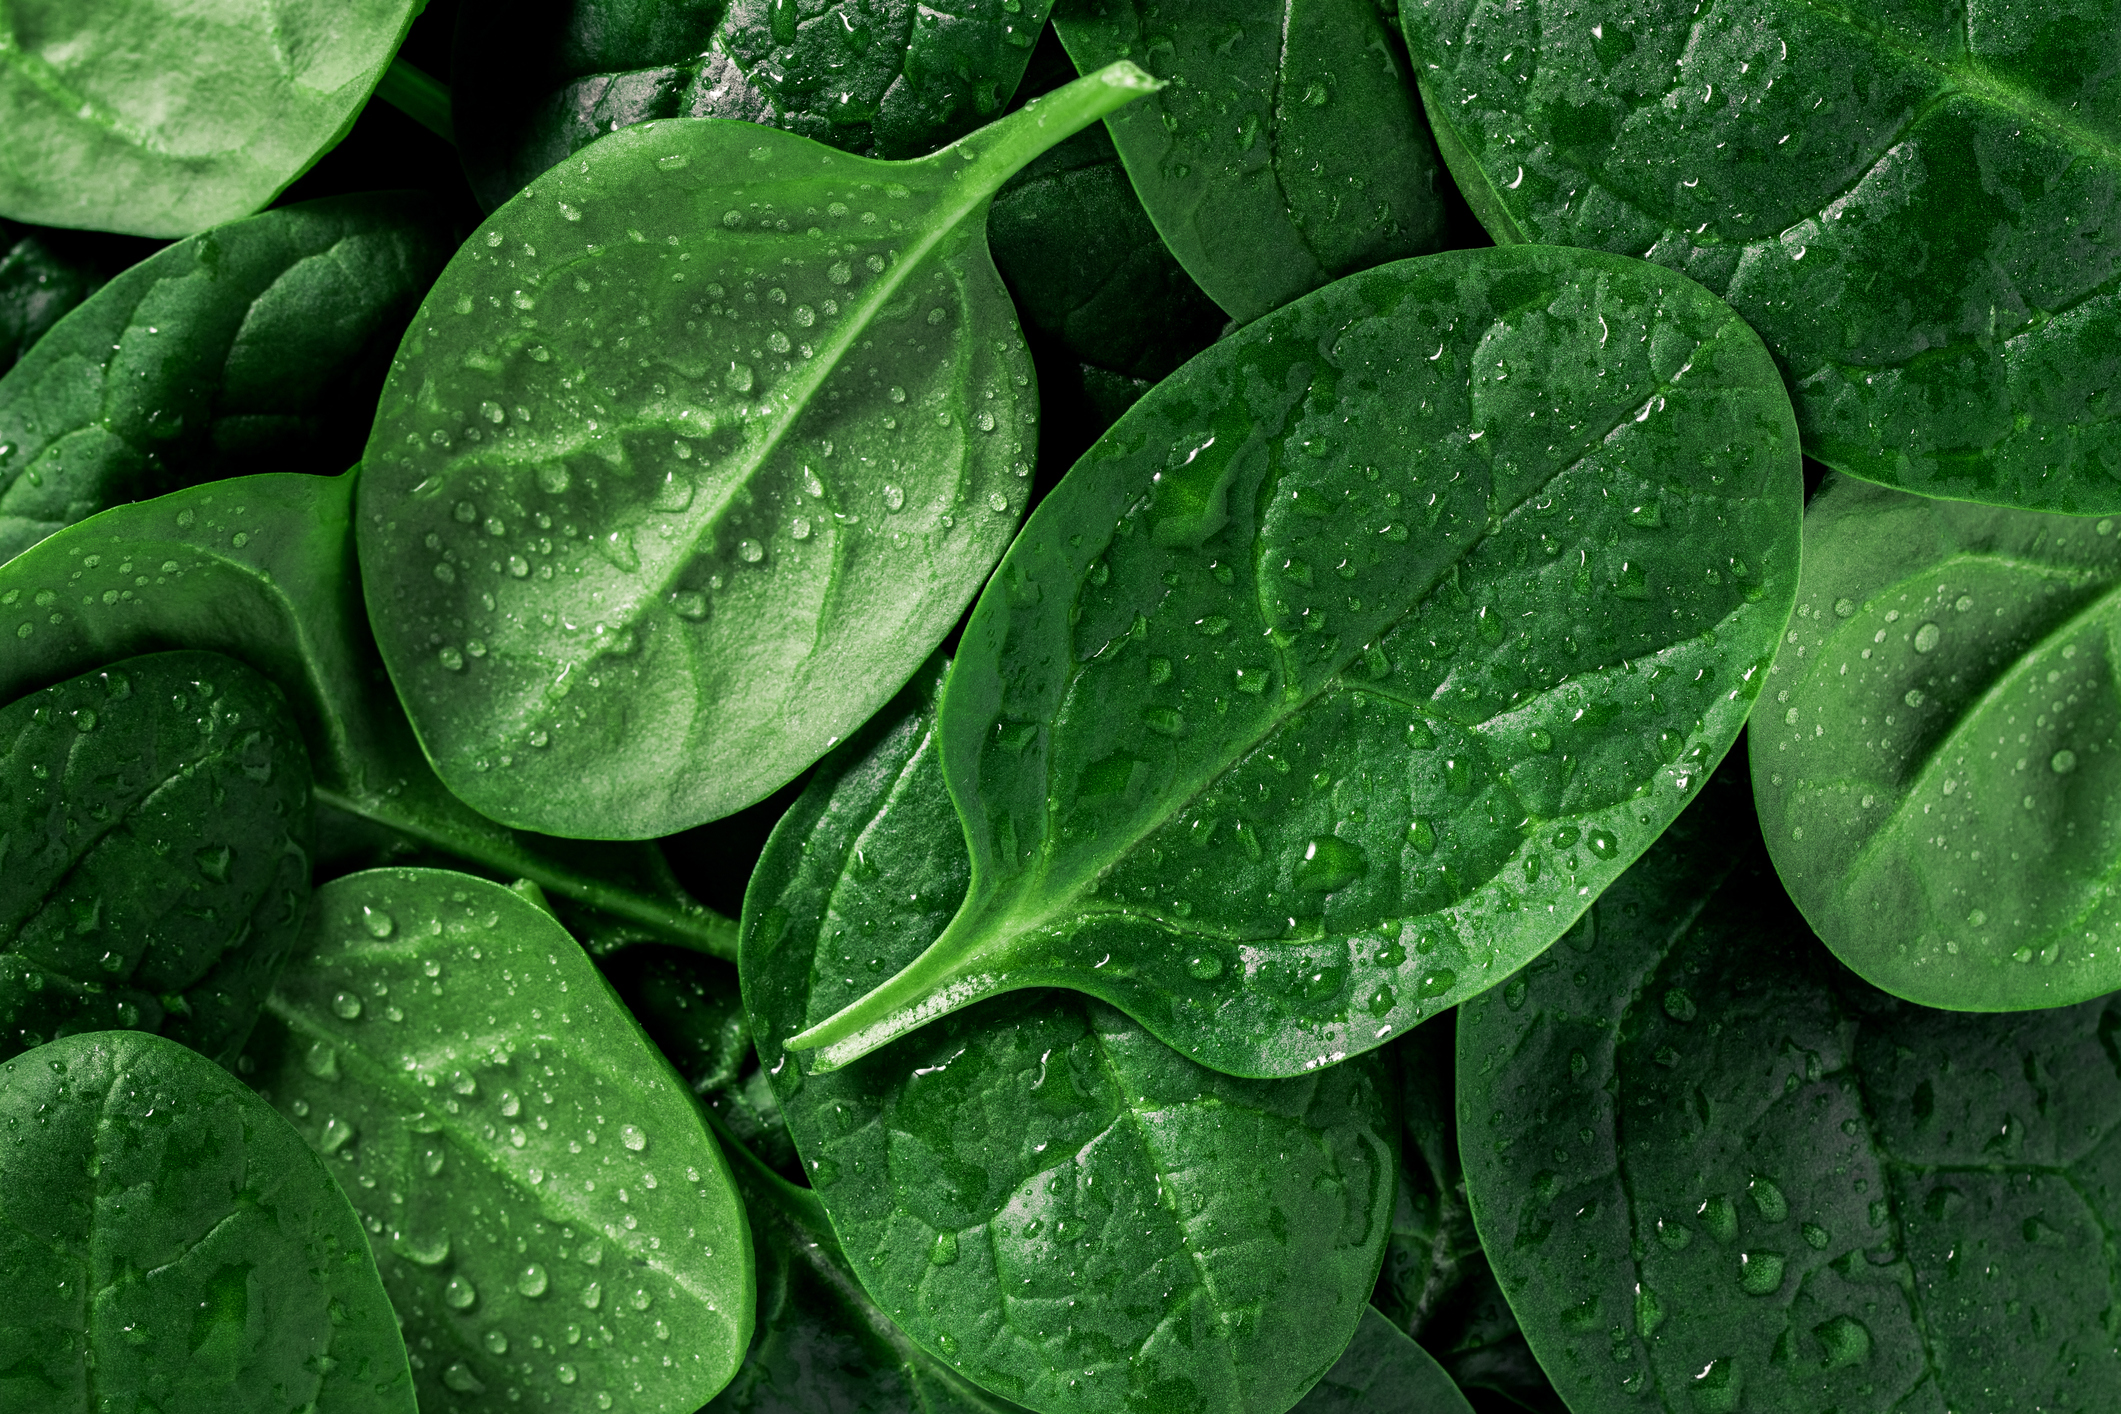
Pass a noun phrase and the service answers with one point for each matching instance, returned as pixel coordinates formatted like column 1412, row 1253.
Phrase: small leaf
column 1381, row 1369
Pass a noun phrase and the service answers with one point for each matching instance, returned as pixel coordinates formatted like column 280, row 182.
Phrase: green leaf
column 186, row 118
column 154, row 852
column 1347, row 668
column 886, row 80
column 262, row 569
column 821, row 1343
column 170, row 1244
column 1912, row 206
column 1382, row 1370
column 623, row 589
column 1286, row 151
column 1938, row 763
column 549, row 1213
column 1039, row 1191
column 1716, row 1171
column 42, row 276
column 255, row 346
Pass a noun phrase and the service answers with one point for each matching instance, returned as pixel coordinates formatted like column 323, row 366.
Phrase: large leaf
column 1915, row 206
column 256, row 346
column 162, row 118
column 1069, row 1212
column 170, row 1244
column 547, row 1208
column 533, row 83
column 154, row 852
column 1286, row 151
column 1345, row 670
column 1716, row 1171
column 1382, row 1370
column 1938, row 766
column 262, row 569
column 624, row 587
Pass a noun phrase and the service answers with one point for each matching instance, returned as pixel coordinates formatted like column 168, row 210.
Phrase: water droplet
column 565, row 1374
column 894, row 497
column 689, row 604
column 532, row 1281
column 1206, row 966
column 460, row 1378
column 322, row 1060
column 675, row 494
column 799, row 528
column 451, row 659
column 1603, row 844
column 824, row 1173
column 554, row 478
column 1847, row 1342
column 460, row 1294
column 750, row 551
column 378, row 923
column 337, row 1135
column 346, row 1006
column 2062, row 762
column 944, row 1252
column 1844, row 608
column 1422, row 835
column 1926, row 637
column 1540, row 741
column 617, row 547
column 213, row 862
column 1328, row 863
column 1438, row 982
column 640, row 1300
column 1768, row 1199
column 998, row 503
column 739, row 378
column 1815, row 1236
column 632, row 1137
column 1678, row 1005
column 1914, row 697
column 464, row 1083
column 593, row 1295
column 496, row 1343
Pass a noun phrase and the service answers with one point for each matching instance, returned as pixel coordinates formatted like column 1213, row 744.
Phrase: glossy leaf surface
column 154, row 852
column 1717, row 1171
column 822, row 1344
column 534, row 83
column 170, row 1244
column 1286, row 151
column 1939, row 762
column 256, row 346
column 1036, row 1189
column 1383, row 1370
column 159, row 118
column 262, row 569
column 548, row 1211
column 652, row 518
column 1913, row 205
column 1352, row 662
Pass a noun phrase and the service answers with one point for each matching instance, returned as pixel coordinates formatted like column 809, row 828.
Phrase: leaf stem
column 1003, row 148
column 420, row 96
column 946, row 977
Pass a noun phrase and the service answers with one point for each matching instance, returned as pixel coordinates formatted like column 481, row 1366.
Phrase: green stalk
column 419, row 95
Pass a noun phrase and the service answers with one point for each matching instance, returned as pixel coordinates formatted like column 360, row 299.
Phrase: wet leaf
column 1938, row 759
column 1913, row 206
column 626, row 587
column 170, row 1243
column 1036, row 1189
column 1348, row 667
column 547, row 1209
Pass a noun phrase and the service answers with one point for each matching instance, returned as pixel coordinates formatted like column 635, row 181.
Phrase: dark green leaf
column 262, row 569
column 1381, row 1371
column 1938, row 765
column 551, row 1218
column 1038, row 1190
column 1344, row 671
column 624, row 588
column 160, row 119
column 536, row 82
column 154, row 852
column 1716, row 1171
column 257, row 346
column 42, row 276
column 1913, row 205
column 822, row 1346
column 170, row 1244
column 1286, row 152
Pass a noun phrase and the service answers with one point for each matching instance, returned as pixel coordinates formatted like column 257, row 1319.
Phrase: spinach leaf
column 170, row 1244
column 548, row 1211
column 159, row 119
column 821, row 1343
column 692, row 454
column 1286, row 151
column 535, row 83
column 1717, row 1171
column 1381, row 1369
column 262, row 568
column 1344, row 671
column 1039, row 1191
column 41, row 277
column 254, row 346
column 154, row 852
column 1938, row 765
column 1913, row 207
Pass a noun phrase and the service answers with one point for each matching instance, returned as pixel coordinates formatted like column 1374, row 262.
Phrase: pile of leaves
column 828, row 705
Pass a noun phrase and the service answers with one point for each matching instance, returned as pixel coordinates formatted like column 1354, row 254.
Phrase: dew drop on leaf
column 532, row 1281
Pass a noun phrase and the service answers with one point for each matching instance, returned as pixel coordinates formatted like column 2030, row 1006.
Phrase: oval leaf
column 262, row 568
column 171, row 1244
column 255, row 346
column 1350, row 665
column 1382, row 1370
column 621, row 594
column 547, row 1208
column 1939, row 765
column 1918, row 220
column 885, row 81
column 1038, row 1190
column 186, row 119
column 1286, row 151
column 154, row 852
column 1821, row 1198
